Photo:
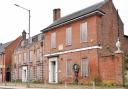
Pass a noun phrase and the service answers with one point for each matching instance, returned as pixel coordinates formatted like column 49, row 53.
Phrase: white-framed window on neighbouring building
column 25, row 57
column 53, row 40
column 20, row 73
column 38, row 54
column 16, row 59
column 38, row 73
column 83, row 32
column 20, row 58
column 31, row 73
column 68, row 67
column 31, row 56
column 69, row 36
column 41, row 54
column 84, row 67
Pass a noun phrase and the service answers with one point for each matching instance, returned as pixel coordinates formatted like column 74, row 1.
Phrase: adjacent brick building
column 6, row 51
column 27, row 60
column 88, row 39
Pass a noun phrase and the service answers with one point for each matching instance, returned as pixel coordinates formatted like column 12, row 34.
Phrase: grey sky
column 14, row 20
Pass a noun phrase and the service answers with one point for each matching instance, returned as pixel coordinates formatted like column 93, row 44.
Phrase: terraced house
column 27, row 60
column 89, row 38
column 6, row 51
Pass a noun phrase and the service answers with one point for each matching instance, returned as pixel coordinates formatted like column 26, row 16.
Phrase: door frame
column 24, row 68
column 56, row 68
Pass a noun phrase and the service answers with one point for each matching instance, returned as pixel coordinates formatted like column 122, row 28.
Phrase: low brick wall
column 111, row 69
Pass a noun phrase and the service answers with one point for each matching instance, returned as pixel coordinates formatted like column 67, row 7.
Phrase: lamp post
column 28, row 19
column 28, row 42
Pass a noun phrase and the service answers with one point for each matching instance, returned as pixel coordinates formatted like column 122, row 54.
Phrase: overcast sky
column 13, row 20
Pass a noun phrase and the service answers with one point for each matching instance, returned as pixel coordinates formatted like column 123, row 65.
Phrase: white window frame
column 53, row 40
column 84, row 67
column 83, row 32
column 25, row 57
column 69, row 36
column 31, row 55
column 20, row 58
column 38, row 54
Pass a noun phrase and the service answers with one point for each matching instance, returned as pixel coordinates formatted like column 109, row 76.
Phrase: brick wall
column 107, row 28
column 111, row 69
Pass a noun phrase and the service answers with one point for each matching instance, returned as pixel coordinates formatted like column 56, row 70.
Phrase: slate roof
column 3, row 46
column 95, row 7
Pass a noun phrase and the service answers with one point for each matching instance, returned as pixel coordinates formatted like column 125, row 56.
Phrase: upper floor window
column 83, row 32
column 25, row 57
column 69, row 36
column 84, row 67
column 20, row 58
column 53, row 40
column 38, row 54
column 31, row 56
column 15, row 59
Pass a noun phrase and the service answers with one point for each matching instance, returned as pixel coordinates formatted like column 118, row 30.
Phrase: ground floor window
column 68, row 67
column 84, row 67
column 38, row 72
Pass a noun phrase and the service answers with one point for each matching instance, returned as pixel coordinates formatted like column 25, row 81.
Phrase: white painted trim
column 74, row 50
column 74, row 19
column 56, row 70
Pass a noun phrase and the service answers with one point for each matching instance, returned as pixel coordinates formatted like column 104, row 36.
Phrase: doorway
column 53, row 68
column 24, row 74
column 8, row 76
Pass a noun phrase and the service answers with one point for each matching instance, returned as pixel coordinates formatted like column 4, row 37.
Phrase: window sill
column 68, row 45
column 84, row 42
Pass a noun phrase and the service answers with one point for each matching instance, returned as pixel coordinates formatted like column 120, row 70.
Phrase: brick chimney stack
column 56, row 14
column 24, row 35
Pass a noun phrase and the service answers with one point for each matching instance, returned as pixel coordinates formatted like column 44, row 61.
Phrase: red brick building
column 88, row 39
column 6, row 51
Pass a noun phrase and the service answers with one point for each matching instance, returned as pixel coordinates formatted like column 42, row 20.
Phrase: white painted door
column 53, row 70
column 24, row 74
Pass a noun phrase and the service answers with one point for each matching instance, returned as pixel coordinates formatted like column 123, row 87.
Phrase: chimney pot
column 56, row 14
column 24, row 35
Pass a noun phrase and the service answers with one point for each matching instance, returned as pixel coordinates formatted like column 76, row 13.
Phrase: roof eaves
column 74, row 19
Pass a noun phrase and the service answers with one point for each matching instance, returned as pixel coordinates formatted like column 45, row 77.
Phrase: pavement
column 50, row 86
column 17, row 87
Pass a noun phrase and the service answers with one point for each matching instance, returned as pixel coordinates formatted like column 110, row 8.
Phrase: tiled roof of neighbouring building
column 3, row 46
column 83, row 12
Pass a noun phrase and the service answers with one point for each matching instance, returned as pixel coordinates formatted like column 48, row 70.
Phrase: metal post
column 29, row 22
column 28, row 42
column 28, row 85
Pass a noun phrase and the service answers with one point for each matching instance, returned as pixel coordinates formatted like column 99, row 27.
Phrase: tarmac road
column 5, row 88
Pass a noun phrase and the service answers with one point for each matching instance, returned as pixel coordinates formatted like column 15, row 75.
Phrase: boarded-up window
column 53, row 40
column 83, row 32
column 69, row 36
column 84, row 67
column 68, row 67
